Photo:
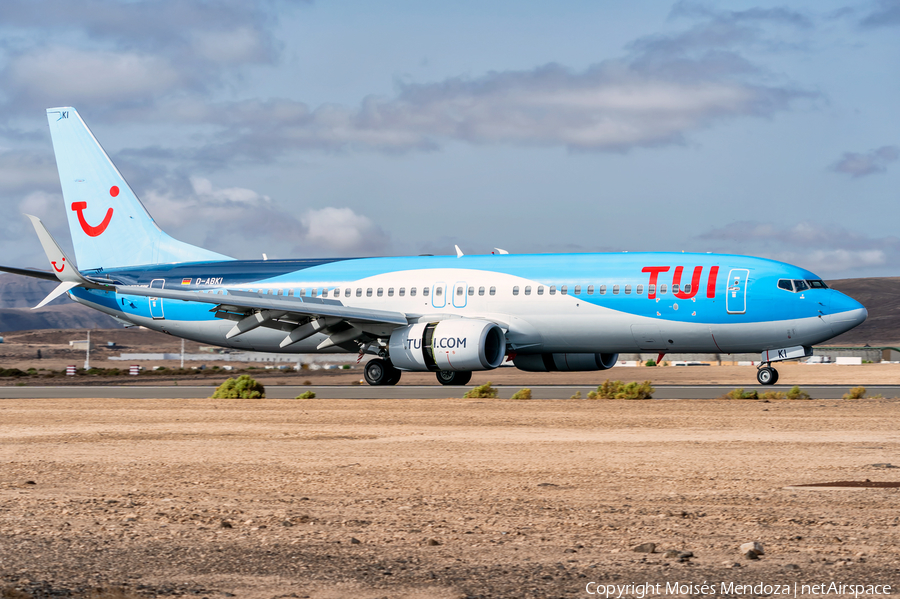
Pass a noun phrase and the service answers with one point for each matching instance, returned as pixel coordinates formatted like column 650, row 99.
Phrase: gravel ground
column 441, row 499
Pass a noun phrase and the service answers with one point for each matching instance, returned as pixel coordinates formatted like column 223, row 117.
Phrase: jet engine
column 458, row 344
column 565, row 362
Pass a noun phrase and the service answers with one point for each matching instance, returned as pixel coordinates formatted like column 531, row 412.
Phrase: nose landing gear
column 766, row 375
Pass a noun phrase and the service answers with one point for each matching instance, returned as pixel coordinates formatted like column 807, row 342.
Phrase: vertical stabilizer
column 109, row 225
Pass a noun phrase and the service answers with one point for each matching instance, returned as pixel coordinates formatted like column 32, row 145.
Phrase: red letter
column 695, row 280
column 654, row 275
column 711, row 284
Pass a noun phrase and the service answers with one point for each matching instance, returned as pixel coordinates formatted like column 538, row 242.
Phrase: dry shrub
column 522, row 394
column 739, row 393
column 484, row 391
column 244, row 387
column 619, row 390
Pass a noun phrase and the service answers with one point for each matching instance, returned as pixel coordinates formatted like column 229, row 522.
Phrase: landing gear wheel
column 767, row 375
column 381, row 372
column 450, row 377
column 394, row 377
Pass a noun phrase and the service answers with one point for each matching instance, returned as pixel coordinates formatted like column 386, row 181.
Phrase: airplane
column 451, row 315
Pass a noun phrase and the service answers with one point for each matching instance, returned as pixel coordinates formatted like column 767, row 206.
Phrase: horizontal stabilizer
column 27, row 272
column 62, row 288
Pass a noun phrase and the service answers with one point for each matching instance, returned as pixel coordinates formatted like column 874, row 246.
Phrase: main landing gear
column 450, row 377
column 381, row 372
column 766, row 375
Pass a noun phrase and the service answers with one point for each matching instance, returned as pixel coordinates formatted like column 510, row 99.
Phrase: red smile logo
column 61, row 268
column 92, row 231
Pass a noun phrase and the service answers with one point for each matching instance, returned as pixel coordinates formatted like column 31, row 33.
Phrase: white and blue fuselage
column 450, row 315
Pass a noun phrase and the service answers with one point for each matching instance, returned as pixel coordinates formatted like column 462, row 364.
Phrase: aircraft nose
column 844, row 313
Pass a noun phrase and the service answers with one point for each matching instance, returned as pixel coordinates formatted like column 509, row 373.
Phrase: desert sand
column 441, row 499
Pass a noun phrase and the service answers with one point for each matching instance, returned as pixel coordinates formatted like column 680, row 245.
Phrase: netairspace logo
column 619, row 591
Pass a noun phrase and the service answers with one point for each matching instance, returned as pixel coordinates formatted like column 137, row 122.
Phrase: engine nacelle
column 458, row 344
column 565, row 362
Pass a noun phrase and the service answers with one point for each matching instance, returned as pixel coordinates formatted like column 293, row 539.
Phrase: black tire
column 394, row 377
column 766, row 376
column 450, row 377
column 377, row 372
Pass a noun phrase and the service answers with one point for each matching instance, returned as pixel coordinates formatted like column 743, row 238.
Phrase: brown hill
column 881, row 297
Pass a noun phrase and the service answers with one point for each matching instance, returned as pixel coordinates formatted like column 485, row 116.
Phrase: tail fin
column 109, row 225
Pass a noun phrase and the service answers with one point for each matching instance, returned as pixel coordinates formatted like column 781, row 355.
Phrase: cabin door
column 156, row 303
column 736, row 294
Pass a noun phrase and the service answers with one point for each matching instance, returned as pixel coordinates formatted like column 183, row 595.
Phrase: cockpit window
column 800, row 285
column 785, row 284
column 817, row 284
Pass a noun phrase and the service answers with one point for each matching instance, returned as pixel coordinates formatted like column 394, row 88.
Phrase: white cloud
column 243, row 223
column 72, row 75
column 342, row 230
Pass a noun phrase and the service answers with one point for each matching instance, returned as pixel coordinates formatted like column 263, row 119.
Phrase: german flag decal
column 185, row 281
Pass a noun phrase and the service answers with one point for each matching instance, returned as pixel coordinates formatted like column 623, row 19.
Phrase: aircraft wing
column 300, row 317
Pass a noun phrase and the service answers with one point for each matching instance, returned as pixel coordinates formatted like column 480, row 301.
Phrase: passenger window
column 540, row 290
column 615, row 290
column 380, row 291
column 325, row 292
column 552, row 289
column 651, row 289
column 347, row 292
column 493, row 290
column 590, row 290
column 412, row 292
column 459, row 291
column 439, row 291
column 800, row 285
column 369, row 292
column 471, row 291
column 602, row 289
column 662, row 288
column 481, row 291
column 516, row 290
column 577, row 290
column 390, row 292
column 564, row 290
column 425, row 291
column 303, row 293
column 674, row 287
column 687, row 288
column 640, row 289
column 401, row 292
column 627, row 289
column 359, row 291
column 313, row 292
column 528, row 290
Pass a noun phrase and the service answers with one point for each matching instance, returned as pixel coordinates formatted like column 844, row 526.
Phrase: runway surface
column 413, row 391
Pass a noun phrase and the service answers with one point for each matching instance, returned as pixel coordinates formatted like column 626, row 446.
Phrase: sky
column 313, row 128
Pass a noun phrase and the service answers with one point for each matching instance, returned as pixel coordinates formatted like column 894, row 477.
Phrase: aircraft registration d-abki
column 448, row 314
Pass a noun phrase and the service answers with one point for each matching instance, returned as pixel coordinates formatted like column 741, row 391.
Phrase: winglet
column 500, row 251
column 459, row 252
column 63, row 268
